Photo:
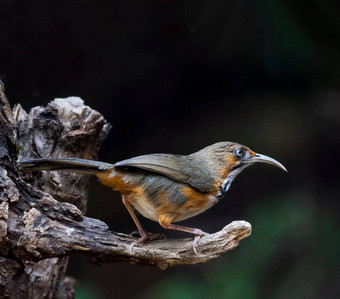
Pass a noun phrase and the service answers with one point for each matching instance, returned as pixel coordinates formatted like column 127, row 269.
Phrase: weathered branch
column 41, row 218
column 93, row 238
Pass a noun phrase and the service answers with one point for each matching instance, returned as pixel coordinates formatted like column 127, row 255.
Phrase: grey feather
column 183, row 169
column 71, row 164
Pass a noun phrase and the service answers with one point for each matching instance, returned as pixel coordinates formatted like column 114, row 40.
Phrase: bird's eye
column 239, row 152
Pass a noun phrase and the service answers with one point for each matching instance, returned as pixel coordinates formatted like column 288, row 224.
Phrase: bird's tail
column 64, row 164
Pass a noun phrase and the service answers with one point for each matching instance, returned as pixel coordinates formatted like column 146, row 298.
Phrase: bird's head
column 230, row 158
column 240, row 156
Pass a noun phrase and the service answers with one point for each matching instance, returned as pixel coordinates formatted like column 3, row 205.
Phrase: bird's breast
column 156, row 195
column 197, row 202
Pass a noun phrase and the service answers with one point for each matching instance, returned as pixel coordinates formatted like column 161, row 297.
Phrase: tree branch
column 58, row 236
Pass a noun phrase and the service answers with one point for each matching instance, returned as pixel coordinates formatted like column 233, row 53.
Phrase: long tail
column 64, row 164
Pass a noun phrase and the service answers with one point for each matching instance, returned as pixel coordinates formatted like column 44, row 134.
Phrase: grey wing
column 178, row 168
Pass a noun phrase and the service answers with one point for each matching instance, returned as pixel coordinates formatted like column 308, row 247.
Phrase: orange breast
column 197, row 203
column 174, row 202
column 196, row 200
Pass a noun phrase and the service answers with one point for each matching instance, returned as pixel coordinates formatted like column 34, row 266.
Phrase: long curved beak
column 265, row 159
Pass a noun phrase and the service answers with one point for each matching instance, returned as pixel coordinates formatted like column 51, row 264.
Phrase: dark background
column 175, row 76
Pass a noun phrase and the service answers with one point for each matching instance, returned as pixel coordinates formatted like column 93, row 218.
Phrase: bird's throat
column 230, row 178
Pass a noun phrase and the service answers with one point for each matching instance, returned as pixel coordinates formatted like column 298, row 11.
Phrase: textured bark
column 65, row 128
column 41, row 217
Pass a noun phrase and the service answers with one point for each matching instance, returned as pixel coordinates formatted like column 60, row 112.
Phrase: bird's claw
column 198, row 236
column 146, row 237
column 141, row 240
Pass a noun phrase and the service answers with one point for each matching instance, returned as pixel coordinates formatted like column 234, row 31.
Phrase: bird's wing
column 178, row 168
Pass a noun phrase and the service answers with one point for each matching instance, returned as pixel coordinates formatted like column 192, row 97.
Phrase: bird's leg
column 144, row 235
column 142, row 232
column 166, row 223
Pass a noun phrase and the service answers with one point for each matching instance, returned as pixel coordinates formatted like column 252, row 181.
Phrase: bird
column 165, row 188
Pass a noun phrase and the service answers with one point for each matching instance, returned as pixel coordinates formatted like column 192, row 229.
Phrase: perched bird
column 164, row 187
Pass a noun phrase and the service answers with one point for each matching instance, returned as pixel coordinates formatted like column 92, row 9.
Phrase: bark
column 41, row 216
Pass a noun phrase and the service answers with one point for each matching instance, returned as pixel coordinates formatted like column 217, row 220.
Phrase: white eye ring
column 239, row 152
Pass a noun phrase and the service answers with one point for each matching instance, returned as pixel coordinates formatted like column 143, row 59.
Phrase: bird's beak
column 265, row 159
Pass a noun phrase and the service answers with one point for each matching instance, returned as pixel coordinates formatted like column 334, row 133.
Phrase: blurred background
column 175, row 76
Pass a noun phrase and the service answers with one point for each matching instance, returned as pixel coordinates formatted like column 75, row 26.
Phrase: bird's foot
column 145, row 236
column 141, row 240
column 198, row 234
column 150, row 237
